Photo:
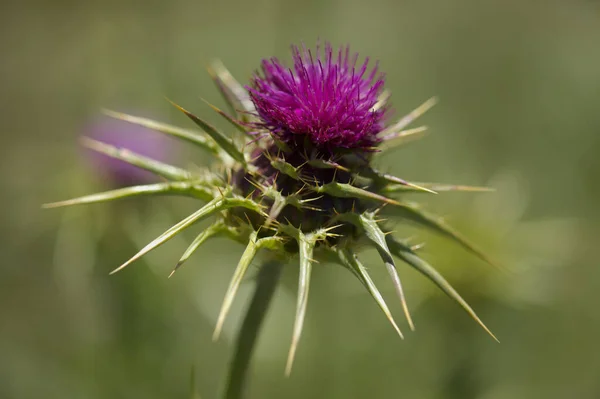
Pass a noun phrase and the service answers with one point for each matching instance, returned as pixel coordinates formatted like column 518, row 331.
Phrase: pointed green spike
column 179, row 187
column 377, row 237
column 207, row 210
column 411, row 212
column 344, row 190
column 212, row 231
column 229, row 119
column 350, row 260
column 408, row 119
column 190, row 136
column 323, row 164
column 252, row 248
column 233, row 105
column 216, row 205
column 437, row 187
column 397, row 180
column 384, row 179
column 307, row 245
column 224, row 142
column 162, row 169
column 234, row 93
column 406, row 255
column 401, row 138
column 148, row 189
column 238, row 275
column 286, row 168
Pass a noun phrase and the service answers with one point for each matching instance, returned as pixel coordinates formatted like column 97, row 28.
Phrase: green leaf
column 286, row 168
column 437, row 187
column 229, row 119
column 162, row 169
column 377, row 237
column 323, row 164
column 190, row 136
column 223, row 141
column 172, row 188
column 405, row 254
column 413, row 213
column 350, row 260
column 252, row 249
column 384, row 179
column 307, row 245
column 235, row 95
column 344, row 190
column 216, row 205
column 212, row 231
column 401, row 138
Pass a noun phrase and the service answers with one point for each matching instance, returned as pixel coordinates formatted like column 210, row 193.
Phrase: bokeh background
column 519, row 84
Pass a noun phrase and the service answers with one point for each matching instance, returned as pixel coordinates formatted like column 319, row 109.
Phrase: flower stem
column 267, row 279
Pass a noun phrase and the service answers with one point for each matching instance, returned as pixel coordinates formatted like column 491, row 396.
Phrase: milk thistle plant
column 296, row 179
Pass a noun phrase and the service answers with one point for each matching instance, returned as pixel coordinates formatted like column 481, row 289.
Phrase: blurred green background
column 519, row 84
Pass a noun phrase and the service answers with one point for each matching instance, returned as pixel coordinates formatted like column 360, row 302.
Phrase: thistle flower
column 326, row 100
column 299, row 178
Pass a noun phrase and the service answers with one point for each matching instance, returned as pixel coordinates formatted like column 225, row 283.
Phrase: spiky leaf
column 254, row 244
column 162, row 169
column 223, row 141
column 413, row 213
column 306, row 245
column 408, row 256
column 216, row 229
column 216, row 205
column 344, row 190
column 326, row 164
column 172, row 188
column 239, row 127
column 437, row 187
column 384, row 179
column 374, row 233
column 286, row 168
column 350, row 260
column 190, row 136
column 234, row 93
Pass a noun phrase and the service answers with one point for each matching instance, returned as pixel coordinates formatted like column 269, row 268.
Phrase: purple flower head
column 324, row 98
column 126, row 135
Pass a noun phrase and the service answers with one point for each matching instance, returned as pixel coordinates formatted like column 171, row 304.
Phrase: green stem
column 267, row 279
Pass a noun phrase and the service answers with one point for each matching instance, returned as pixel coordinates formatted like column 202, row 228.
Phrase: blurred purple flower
column 325, row 98
column 133, row 137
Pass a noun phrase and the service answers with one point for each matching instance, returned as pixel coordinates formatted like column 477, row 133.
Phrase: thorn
column 174, row 270
column 247, row 218
column 399, row 290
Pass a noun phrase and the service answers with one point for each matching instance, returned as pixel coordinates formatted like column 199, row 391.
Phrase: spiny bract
column 299, row 178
